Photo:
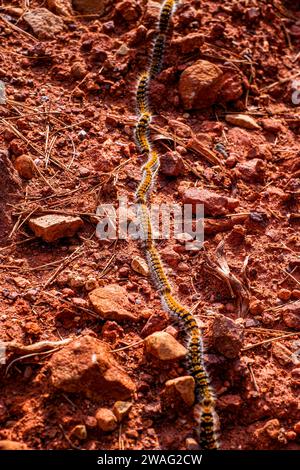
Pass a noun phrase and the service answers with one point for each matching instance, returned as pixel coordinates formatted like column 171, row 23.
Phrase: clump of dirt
column 70, row 107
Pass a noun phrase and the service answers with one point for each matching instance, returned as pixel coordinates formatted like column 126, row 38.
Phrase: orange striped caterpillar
column 165, row 15
column 204, row 396
column 142, row 93
column 142, row 131
column 157, row 55
column 157, row 270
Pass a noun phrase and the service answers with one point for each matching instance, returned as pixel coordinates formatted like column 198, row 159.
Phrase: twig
column 271, row 340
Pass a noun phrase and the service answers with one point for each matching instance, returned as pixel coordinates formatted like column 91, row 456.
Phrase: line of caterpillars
column 205, row 407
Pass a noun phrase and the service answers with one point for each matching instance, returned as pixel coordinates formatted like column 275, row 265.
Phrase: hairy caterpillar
column 142, row 93
column 142, row 131
column 157, row 270
column 204, row 396
column 165, row 15
column 157, row 55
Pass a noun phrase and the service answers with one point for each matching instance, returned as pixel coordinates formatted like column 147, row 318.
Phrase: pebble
column 283, row 355
column 214, row 203
column 242, row 120
column 86, row 365
column 291, row 315
column 79, row 431
column 227, row 336
column 6, row 444
column 111, row 302
column 91, row 284
column 171, row 164
column 178, row 391
column 91, row 6
column 199, row 85
column 45, row 25
column 25, row 167
column 297, row 428
column 121, row 409
column 164, row 347
column 140, row 266
column 106, row 420
column 52, row 227
column 252, row 171
column 123, row 50
column 284, row 294
column 191, row 444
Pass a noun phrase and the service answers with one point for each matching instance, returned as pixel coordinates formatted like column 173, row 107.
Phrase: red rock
column 227, row 336
column 284, row 294
column 272, row 125
column 256, row 307
column 214, row 204
column 121, row 409
column 164, row 347
column 78, row 70
column 230, row 402
column 252, row 171
column 297, row 428
column 52, row 227
column 189, row 43
column 130, row 10
column 283, row 354
column 178, row 391
column 12, row 445
column 296, row 293
column 171, row 164
column 25, row 166
column 262, row 151
column 270, row 430
column 87, row 366
column 231, row 88
column 291, row 315
column 92, row 6
column 61, row 7
column 106, row 420
column 199, row 85
column 155, row 323
column 111, row 302
column 170, row 256
column 45, row 24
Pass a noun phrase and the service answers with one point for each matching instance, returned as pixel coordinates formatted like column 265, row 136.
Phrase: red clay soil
column 70, row 101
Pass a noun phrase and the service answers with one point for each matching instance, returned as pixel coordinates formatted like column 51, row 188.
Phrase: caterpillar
column 205, row 403
column 142, row 131
column 142, row 93
column 165, row 15
column 157, row 55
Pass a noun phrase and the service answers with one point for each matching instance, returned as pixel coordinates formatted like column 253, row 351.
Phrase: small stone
column 252, row 170
column 121, row 409
column 140, row 266
column 272, row 125
column 256, row 307
column 91, row 284
column 90, row 422
column 297, row 428
column 12, row 445
column 283, row 355
column 25, row 167
column 214, row 203
column 199, row 85
column 106, row 420
column 21, row 282
column 123, row 50
column 291, row 315
column 79, row 431
column 164, row 347
column 227, row 336
column 92, row 6
column 176, row 391
column 171, row 164
column 44, row 24
column 191, row 444
column 130, row 10
column 271, row 430
column 242, row 120
column 52, row 227
column 170, row 256
column 61, row 7
column 86, row 365
column 295, row 294
column 111, row 302
column 78, row 70
column 284, row 294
